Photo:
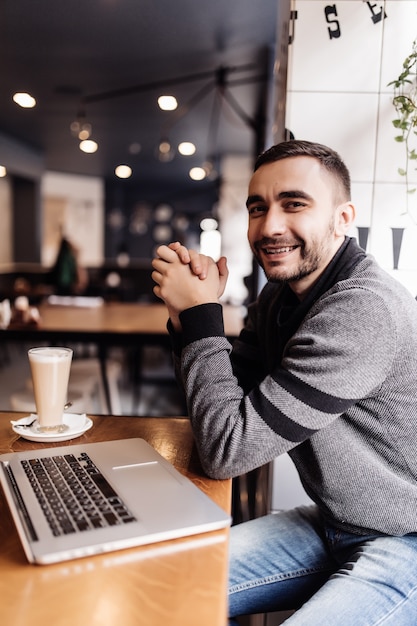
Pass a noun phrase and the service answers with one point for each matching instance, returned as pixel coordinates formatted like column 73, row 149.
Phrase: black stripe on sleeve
column 278, row 422
column 311, row 396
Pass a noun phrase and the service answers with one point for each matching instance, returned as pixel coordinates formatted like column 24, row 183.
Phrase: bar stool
column 264, row 619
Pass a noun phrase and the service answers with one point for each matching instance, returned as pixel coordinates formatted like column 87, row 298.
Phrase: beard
column 274, row 272
column 312, row 255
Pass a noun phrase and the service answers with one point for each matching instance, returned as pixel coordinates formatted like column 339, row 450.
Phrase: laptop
column 78, row 500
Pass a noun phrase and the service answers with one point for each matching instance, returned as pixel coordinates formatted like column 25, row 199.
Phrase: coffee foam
column 49, row 354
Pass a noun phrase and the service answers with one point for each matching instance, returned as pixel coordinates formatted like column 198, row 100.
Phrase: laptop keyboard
column 74, row 496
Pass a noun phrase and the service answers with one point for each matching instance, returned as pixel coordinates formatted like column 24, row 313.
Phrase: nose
column 274, row 222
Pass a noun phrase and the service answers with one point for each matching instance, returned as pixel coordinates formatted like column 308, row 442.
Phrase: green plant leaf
column 404, row 101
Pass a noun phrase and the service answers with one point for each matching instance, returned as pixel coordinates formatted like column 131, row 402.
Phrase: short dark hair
column 327, row 157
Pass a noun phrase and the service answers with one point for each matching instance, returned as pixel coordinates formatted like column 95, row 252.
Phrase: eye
column 295, row 205
column 257, row 210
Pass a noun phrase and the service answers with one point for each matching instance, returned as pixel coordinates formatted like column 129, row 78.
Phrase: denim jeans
column 294, row 560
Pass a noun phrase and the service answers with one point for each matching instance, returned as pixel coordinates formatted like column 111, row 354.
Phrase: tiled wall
column 342, row 56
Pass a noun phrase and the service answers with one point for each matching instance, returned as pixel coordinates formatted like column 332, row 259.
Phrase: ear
column 344, row 218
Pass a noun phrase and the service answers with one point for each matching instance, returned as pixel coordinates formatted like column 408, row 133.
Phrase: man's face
column 293, row 220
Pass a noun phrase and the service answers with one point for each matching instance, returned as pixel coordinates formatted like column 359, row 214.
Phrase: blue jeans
column 295, row 560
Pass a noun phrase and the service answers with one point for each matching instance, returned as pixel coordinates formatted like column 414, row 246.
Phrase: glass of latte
column 50, row 369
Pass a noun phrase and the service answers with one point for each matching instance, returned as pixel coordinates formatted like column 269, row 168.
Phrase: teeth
column 279, row 250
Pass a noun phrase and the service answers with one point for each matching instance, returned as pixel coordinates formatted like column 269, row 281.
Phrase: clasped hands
column 184, row 278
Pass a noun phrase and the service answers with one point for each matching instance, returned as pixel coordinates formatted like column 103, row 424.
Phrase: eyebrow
column 253, row 199
column 281, row 196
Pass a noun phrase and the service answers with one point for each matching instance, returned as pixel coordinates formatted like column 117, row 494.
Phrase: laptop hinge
column 24, row 515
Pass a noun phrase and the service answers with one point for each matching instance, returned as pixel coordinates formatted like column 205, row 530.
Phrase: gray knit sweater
column 339, row 392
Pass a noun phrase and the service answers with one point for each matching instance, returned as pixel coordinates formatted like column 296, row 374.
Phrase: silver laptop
column 78, row 500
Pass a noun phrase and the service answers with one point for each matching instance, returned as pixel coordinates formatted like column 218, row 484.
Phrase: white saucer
column 77, row 425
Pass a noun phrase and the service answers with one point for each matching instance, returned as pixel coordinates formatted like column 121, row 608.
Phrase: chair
column 265, row 619
column 85, row 378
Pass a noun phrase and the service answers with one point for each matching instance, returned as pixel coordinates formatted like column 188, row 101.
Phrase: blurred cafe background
column 143, row 126
column 140, row 126
column 101, row 159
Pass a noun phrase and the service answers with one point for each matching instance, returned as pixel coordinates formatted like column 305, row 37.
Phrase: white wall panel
column 338, row 95
column 349, row 62
column 346, row 122
column 362, row 197
column 400, row 30
column 390, row 200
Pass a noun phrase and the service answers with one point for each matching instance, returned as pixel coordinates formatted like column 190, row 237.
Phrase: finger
column 183, row 254
column 159, row 265
column 223, row 273
column 197, row 263
column 157, row 291
column 181, row 251
column 222, row 265
column 166, row 254
column 156, row 277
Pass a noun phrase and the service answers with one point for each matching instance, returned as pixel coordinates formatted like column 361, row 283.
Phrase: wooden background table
column 181, row 582
column 117, row 323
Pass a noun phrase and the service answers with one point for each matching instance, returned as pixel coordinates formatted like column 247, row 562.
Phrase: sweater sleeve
column 333, row 360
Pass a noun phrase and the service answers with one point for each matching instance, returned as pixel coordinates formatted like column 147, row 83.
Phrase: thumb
column 223, row 274
column 222, row 267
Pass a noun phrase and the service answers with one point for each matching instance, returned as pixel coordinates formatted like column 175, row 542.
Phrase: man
column 326, row 370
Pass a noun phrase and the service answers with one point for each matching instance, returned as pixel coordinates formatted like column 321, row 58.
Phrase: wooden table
column 180, row 582
column 113, row 324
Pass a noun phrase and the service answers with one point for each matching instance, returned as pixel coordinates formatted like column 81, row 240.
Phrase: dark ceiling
column 111, row 59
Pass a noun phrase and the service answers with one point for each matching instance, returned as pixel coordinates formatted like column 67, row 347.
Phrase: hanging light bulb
column 123, row 171
column 24, row 100
column 197, row 173
column 80, row 128
column 75, row 128
column 165, row 152
column 89, row 146
column 164, row 147
column 167, row 103
column 186, row 148
column 84, row 131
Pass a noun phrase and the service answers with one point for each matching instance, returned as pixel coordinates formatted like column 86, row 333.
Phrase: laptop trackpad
column 154, row 491
column 146, row 474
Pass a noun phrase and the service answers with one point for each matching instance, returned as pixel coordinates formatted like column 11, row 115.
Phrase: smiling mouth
column 278, row 250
